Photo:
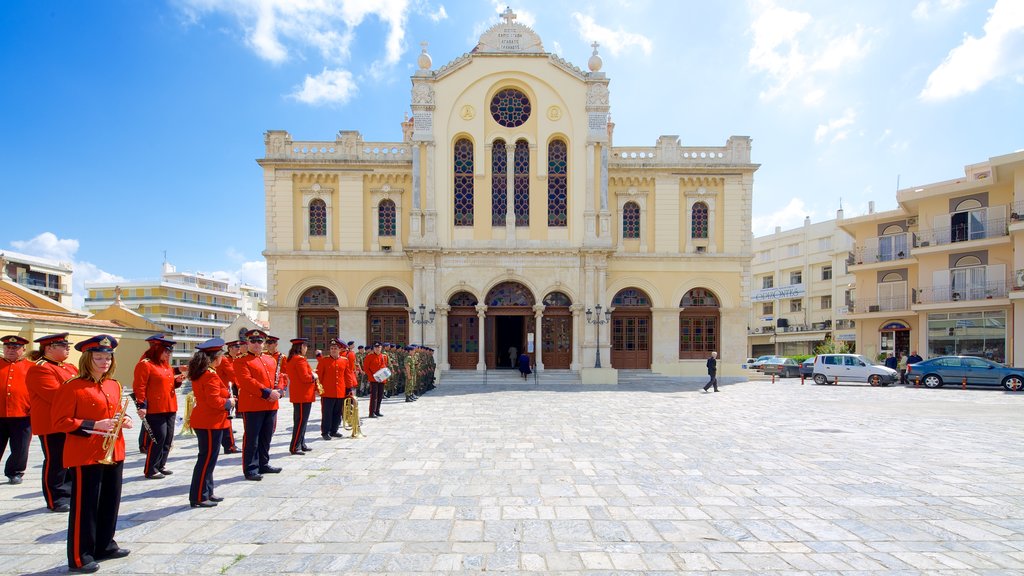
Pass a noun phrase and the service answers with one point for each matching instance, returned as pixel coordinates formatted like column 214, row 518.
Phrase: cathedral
column 506, row 219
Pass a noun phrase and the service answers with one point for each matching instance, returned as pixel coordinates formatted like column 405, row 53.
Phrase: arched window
column 509, row 294
column 463, row 158
column 699, row 323
column 387, row 316
column 699, row 221
column 522, row 183
column 386, row 218
column 318, row 318
column 499, row 183
column 631, row 220
column 558, row 168
column 318, row 218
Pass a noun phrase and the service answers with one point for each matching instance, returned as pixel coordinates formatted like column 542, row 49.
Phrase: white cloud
column 978, row 61
column 48, row 245
column 838, row 128
column 925, row 9
column 788, row 217
column 253, row 273
column 328, row 87
column 615, row 41
column 791, row 50
column 440, row 14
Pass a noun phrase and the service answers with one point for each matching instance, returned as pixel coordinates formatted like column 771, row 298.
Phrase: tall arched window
column 463, row 158
column 318, row 317
column 699, row 322
column 499, row 183
column 558, row 168
column 522, row 183
column 318, row 218
column 631, row 221
column 386, row 218
column 699, row 221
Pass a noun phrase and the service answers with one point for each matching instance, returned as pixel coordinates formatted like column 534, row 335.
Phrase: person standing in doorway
column 712, row 372
column 513, row 356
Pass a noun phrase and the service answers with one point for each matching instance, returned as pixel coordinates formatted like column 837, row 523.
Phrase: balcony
column 883, row 249
column 991, row 228
column 872, row 305
column 968, row 293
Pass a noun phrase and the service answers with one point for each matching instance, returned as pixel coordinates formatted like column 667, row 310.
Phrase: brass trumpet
column 110, row 437
column 350, row 416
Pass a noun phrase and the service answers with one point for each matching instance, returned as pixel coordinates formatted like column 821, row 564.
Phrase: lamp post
column 423, row 320
column 597, row 321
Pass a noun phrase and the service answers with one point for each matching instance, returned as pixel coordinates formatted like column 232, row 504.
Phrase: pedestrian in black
column 712, row 371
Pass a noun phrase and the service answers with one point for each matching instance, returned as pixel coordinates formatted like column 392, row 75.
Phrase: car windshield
column 866, row 361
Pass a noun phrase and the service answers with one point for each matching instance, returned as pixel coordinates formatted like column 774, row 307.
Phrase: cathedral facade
column 506, row 218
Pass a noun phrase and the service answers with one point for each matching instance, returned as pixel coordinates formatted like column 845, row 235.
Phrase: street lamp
column 423, row 320
column 597, row 321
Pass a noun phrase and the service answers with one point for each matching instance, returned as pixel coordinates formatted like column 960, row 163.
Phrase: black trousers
column 330, row 419
column 227, row 439
column 56, row 481
column 163, row 434
column 202, row 474
column 712, row 382
column 18, row 432
column 259, row 431
column 376, row 396
column 95, row 499
column 300, row 419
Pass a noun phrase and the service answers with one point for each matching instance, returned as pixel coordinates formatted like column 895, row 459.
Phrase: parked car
column 851, row 368
column 935, row 372
column 756, row 364
column 781, row 367
column 807, row 368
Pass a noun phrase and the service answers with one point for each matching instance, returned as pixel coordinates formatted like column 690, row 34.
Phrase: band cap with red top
column 13, row 340
column 255, row 333
column 158, row 340
column 299, row 340
column 51, row 339
column 234, row 343
column 98, row 343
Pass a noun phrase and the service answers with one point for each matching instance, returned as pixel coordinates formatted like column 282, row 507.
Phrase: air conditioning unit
column 912, row 221
column 757, row 330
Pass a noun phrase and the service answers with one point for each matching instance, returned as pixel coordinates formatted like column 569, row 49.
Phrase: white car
column 851, row 368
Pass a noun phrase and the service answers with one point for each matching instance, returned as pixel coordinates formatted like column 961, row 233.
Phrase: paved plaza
column 765, row 478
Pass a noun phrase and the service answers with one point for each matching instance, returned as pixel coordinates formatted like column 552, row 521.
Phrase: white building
column 50, row 278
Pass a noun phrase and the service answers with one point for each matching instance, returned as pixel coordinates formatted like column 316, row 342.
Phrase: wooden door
column 631, row 340
column 463, row 340
column 319, row 329
column 387, row 326
column 556, row 340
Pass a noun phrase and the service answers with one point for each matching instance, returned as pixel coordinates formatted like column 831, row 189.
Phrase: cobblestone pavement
column 765, row 478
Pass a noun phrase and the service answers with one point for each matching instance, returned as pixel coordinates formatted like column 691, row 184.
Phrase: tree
column 830, row 346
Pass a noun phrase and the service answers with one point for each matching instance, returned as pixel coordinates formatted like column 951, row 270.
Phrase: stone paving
column 761, row 478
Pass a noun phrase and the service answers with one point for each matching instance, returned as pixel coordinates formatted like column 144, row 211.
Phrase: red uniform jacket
column 226, row 371
column 76, row 407
column 255, row 381
column 300, row 376
column 154, row 387
column 374, row 362
column 212, row 401
column 43, row 381
column 283, row 381
column 13, row 389
column 351, row 383
column 332, row 376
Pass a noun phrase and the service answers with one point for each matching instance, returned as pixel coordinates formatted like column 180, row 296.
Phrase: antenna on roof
column 897, row 182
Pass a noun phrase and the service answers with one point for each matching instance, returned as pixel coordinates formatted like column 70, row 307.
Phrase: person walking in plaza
column 712, row 372
column 524, row 365
column 226, row 373
column 155, row 384
column 43, row 381
column 901, row 365
column 373, row 363
column 15, row 423
column 209, row 418
column 302, row 393
column 88, row 409
column 257, row 400
column 331, row 370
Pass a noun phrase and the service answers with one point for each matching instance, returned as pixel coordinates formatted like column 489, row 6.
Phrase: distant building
column 50, row 278
column 192, row 307
column 254, row 303
column 801, row 292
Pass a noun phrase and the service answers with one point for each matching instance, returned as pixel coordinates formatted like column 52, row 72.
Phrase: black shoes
column 379, row 415
column 306, row 448
column 327, row 437
column 232, row 450
column 87, row 569
column 119, row 553
column 254, row 477
column 215, row 499
column 409, row 399
column 270, row 470
column 337, row 434
column 297, row 452
column 61, row 508
column 14, row 480
column 204, row 504
column 166, row 472
column 155, row 476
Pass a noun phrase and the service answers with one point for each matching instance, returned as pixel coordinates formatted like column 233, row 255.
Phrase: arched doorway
column 387, row 317
column 509, row 320
column 463, row 332
column 556, row 331
column 318, row 318
column 631, row 330
column 699, row 322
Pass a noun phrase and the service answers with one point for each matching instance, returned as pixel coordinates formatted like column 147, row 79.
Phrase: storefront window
column 976, row 333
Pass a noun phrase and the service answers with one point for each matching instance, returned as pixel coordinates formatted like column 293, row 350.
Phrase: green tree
column 830, row 346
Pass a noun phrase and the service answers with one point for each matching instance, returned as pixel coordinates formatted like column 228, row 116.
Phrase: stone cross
column 424, row 46
column 508, row 15
column 117, row 293
column 594, row 46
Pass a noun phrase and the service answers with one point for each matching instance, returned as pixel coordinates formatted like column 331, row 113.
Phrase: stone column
column 577, row 336
column 442, row 339
column 481, row 314
column 538, row 314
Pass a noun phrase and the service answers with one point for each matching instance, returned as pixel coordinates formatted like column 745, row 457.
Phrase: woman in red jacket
column 87, row 408
column 154, row 385
column 303, row 393
column 209, row 418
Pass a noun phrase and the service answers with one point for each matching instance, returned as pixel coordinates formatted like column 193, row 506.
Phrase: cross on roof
column 594, row 46
column 508, row 15
column 424, row 46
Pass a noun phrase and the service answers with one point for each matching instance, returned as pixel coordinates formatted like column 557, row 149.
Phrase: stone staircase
column 508, row 378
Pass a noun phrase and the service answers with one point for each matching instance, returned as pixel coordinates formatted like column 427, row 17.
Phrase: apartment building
column 943, row 273
column 801, row 291
column 51, row 278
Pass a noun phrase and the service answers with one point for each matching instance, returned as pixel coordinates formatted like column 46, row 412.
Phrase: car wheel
column 875, row 380
column 820, row 379
column 932, row 381
column 1013, row 383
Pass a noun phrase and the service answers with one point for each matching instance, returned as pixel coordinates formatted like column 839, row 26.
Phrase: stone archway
column 556, row 331
column 463, row 332
column 631, row 329
column 387, row 316
column 510, row 317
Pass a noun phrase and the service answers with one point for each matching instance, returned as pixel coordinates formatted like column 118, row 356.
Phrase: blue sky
column 132, row 128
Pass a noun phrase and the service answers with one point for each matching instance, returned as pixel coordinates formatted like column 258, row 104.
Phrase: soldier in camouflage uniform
column 411, row 373
column 364, row 386
column 396, row 355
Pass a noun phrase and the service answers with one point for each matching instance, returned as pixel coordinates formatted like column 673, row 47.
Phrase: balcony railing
column 844, row 324
column 972, row 292
column 993, row 228
column 890, row 304
column 883, row 249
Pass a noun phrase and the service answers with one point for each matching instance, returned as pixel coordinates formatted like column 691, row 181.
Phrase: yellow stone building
column 944, row 272
column 507, row 212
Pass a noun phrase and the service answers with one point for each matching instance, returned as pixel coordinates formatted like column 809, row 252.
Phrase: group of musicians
column 78, row 415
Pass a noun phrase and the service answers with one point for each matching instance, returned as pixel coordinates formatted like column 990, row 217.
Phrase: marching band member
column 372, row 363
column 257, row 400
column 351, row 381
column 43, row 381
column 209, row 418
column 15, row 423
column 154, row 385
column 282, row 379
column 302, row 393
column 88, row 409
column 226, row 373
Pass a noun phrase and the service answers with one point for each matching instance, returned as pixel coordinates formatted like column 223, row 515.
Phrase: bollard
column 963, row 385
column 836, row 381
column 802, row 378
column 773, row 378
column 917, row 382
